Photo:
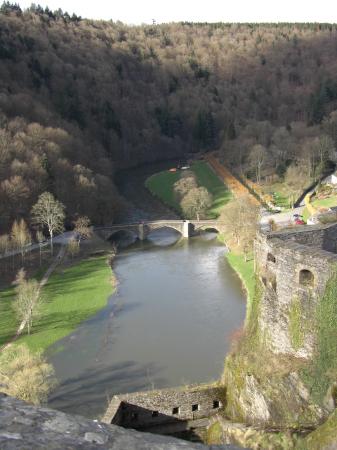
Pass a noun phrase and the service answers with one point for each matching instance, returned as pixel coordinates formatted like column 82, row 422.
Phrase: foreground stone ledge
column 23, row 426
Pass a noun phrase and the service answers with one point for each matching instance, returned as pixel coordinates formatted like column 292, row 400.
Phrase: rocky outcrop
column 24, row 426
column 278, row 400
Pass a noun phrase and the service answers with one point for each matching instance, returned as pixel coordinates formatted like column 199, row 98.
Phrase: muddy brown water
column 169, row 323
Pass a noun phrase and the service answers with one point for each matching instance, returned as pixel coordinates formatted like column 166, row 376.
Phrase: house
column 331, row 179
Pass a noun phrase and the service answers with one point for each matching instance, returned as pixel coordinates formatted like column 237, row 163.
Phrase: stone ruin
column 293, row 265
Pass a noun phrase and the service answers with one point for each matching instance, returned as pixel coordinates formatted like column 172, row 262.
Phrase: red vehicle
column 299, row 222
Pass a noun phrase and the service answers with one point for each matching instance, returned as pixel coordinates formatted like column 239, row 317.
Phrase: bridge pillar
column 186, row 229
column 141, row 232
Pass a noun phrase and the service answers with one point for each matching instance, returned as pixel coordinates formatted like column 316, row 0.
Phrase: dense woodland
column 81, row 98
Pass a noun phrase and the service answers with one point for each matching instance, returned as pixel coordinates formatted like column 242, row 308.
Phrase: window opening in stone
column 271, row 258
column 195, row 407
column 306, row 278
column 176, row 410
column 155, row 413
column 216, row 404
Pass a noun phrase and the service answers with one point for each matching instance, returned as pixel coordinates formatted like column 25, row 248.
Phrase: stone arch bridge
column 142, row 229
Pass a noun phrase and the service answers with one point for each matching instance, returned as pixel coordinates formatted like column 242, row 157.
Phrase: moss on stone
column 214, row 434
column 296, row 324
column 323, row 370
column 324, row 437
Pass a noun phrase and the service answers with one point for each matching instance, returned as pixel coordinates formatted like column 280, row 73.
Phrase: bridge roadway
column 142, row 229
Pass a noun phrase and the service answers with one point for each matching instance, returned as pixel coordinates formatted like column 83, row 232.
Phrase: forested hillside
column 80, row 98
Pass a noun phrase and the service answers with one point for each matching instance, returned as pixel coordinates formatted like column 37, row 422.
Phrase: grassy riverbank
column 161, row 186
column 72, row 295
column 8, row 320
column 245, row 270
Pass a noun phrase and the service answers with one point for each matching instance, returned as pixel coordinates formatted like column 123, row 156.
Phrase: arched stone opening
column 122, row 237
column 271, row 258
column 210, row 230
column 306, row 278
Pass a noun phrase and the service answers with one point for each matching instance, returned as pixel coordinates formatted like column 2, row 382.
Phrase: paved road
column 282, row 219
column 285, row 218
column 61, row 239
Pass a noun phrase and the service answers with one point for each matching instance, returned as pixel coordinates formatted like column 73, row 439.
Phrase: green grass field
column 8, row 321
column 161, row 186
column 72, row 295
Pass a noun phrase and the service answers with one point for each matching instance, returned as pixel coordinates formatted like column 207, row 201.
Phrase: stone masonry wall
column 319, row 236
column 151, row 408
column 284, row 265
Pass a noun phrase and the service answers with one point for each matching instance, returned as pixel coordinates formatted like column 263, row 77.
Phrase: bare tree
column 21, row 236
column 28, row 299
column 185, row 184
column 82, row 228
column 73, row 247
column 296, row 181
column 25, row 375
column 257, row 158
column 49, row 212
column 196, row 202
column 323, row 149
column 240, row 217
column 40, row 237
column 4, row 246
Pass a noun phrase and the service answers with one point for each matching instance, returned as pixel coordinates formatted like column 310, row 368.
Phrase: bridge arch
column 123, row 232
column 163, row 226
column 207, row 227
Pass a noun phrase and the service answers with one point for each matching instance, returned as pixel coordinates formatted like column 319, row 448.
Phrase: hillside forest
column 80, row 99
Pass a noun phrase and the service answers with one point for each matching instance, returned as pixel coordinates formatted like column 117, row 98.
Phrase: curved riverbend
column 177, row 303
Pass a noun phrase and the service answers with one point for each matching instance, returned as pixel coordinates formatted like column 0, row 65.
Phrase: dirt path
column 43, row 281
column 233, row 184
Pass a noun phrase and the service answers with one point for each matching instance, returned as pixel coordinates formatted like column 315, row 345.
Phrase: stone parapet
column 24, row 426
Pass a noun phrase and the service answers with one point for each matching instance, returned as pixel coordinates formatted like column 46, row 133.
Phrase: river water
column 169, row 323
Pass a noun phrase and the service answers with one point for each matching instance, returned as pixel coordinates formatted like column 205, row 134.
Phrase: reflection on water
column 168, row 324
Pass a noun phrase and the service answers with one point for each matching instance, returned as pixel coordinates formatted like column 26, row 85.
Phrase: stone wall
column 294, row 266
column 145, row 410
column 319, row 236
column 24, row 426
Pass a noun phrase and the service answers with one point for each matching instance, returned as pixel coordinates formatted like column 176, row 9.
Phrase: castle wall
column 148, row 409
column 319, row 236
column 293, row 272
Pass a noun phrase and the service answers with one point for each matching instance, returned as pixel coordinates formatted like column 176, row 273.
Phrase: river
column 169, row 323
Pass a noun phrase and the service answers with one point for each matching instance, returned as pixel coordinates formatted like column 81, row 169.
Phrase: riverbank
column 34, row 268
column 74, row 292
column 245, row 271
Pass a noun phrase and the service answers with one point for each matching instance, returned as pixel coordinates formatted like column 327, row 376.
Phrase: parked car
column 313, row 220
column 299, row 221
